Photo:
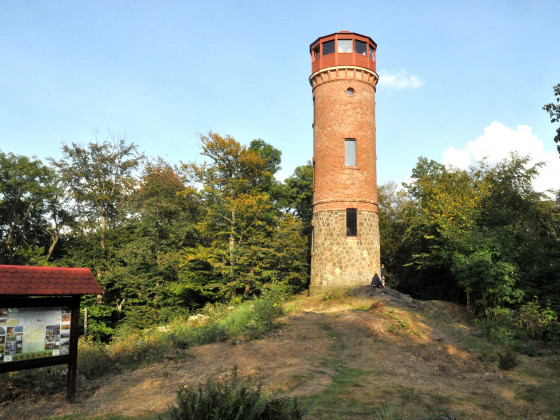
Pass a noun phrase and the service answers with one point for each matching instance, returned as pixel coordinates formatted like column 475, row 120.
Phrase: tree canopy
column 553, row 110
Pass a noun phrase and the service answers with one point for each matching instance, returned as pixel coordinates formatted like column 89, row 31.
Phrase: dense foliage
column 553, row 110
column 161, row 240
column 165, row 241
column 483, row 237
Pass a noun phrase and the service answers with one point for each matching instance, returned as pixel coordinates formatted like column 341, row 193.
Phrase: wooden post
column 85, row 323
column 73, row 363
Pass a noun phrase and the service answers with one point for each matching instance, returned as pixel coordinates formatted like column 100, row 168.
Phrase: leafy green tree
column 241, row 222
column 483, row 235
column 165, row 212
column 439, row 211
column 31, row 211
column 99, row 180
column 300, row 194
column 553, row 110
column 392, row 225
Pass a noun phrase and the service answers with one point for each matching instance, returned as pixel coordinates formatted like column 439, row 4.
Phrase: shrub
column 486, row 353
column 508, row 359
column 34, row 382
column 498, row 325
column 536, row 319
column 552, row 333
column 93, row 359
column 232, row 399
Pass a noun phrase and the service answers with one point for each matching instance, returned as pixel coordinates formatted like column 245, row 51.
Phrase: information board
column 34, row 333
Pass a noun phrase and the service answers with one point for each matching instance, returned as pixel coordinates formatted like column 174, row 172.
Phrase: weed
column 34, row 382
column 508, row 359
column 486, row 353
column 387, row 412
column 333, row 295
column 398, row 327
column 93, row 359
column 232, row 399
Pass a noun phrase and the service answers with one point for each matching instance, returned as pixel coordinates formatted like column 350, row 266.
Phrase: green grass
column 336, row 399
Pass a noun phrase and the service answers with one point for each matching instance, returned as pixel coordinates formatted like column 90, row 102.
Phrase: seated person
column 376, row 281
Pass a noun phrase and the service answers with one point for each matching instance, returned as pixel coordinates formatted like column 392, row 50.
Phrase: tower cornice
column 344, row 72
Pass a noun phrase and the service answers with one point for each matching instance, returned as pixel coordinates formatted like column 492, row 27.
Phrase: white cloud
column 496, row 144
column 398, row 80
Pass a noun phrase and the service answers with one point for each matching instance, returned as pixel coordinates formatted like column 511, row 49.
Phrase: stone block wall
column 341, row 261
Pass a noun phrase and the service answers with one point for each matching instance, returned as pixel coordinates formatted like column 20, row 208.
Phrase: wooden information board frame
column 71, row 359
column 47, row 287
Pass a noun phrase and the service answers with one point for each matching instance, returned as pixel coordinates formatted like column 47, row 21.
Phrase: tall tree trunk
column 53, row 244
column 232, row 239
column 103, row 227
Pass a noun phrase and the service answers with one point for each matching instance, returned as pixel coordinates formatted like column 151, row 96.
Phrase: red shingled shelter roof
column 47, row 281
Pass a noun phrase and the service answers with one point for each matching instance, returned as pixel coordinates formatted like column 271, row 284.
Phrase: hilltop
column 353, row 354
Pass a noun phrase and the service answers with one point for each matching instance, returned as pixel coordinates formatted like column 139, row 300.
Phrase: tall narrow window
column 313, row 173
column 350, row 152
column 371, row 52
column 351, row 222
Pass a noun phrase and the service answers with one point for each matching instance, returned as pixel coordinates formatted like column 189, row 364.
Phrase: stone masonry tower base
column 338, row 262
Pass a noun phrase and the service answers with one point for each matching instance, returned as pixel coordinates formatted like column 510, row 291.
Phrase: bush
column 232, row 399
column 552, row 333
column 486, row 353
column 93, row 359
column 507, row 360
column 33, row 382
column 536, row 319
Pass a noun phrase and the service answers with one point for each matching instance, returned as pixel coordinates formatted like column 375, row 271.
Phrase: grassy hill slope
column 354, row 354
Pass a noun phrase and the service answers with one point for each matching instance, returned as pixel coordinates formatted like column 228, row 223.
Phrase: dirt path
column 346, row 357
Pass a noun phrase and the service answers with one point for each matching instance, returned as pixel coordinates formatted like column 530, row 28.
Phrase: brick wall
column 337, row 116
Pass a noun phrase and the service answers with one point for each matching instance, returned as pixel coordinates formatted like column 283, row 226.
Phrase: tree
column 392, row 226
column 99, row 180
column 482, row 235
column 165, row 212
column 553, row 110
column 31, row 211
column 300, row 194
column 240, row 247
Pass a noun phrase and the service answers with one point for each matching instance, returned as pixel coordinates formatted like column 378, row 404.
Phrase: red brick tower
column 345, row 247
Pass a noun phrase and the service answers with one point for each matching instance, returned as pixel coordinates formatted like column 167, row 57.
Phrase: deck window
column 344, row 45
column 372, row 52
column 316, row 53
column 328, row 47
column 361, row 47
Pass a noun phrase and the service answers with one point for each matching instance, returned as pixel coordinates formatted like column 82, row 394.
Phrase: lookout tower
column 345, row 244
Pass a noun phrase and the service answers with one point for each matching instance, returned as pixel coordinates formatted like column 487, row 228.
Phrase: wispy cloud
column 498, row 141
column 398, row 80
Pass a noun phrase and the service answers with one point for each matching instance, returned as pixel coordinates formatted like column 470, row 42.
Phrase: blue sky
column 459, row 79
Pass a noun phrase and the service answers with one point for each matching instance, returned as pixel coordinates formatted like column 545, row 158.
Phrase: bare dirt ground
column 369, row 355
